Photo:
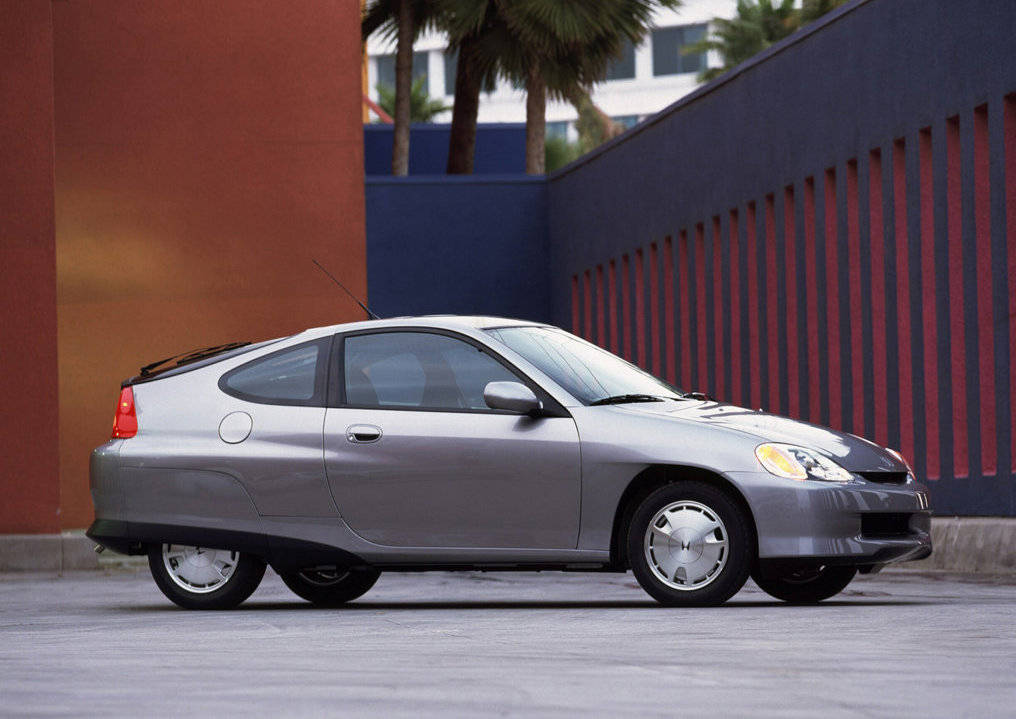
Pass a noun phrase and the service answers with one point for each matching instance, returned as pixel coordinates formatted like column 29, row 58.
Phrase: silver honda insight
column 480, row 443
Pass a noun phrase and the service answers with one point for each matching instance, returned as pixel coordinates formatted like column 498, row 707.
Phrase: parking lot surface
column 900, row 644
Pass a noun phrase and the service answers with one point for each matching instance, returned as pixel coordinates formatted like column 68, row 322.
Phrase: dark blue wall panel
column 500, row 149
column 460, row 245
column 823, row 233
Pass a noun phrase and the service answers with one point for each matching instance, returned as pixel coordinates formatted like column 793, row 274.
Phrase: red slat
column 640, row 311
column 876, row 236
column 811, row 305
column 612, row 306
column 857, row 318
column 668, row 309
column 985, row 316
column 928, row 289
column 601, row 320
column 901, row 232
column 735, row 358
column 833, row 302
column 753, row 319
column 792, row 280
column 654, row 309
column 682, row 279
column 720, row 357
column 957, row 321
column 701, row 320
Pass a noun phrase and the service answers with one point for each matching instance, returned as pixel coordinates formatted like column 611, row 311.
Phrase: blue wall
column 500, row 149
column 824, row 234
column 463, row 245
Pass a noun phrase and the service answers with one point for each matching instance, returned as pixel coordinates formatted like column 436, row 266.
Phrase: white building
column 643, row 81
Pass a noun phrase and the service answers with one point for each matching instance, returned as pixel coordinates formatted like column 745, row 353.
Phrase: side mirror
column 512, row 396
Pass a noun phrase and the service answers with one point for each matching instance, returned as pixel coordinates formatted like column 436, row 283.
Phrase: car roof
column 450, row 322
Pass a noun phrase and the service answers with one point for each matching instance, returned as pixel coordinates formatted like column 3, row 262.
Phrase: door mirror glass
column 512, row 396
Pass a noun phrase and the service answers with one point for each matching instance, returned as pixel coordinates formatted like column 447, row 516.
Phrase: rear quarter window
column 293, row 376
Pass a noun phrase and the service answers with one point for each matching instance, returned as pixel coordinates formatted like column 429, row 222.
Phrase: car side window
column 293, row 376
column 418, row 370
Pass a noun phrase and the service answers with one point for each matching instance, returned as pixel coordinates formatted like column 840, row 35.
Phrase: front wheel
column 330, row 587
column 806, row 585
column 690, row 544
column 203, row 578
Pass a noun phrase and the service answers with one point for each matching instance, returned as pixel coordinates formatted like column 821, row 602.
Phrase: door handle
column 363, row 433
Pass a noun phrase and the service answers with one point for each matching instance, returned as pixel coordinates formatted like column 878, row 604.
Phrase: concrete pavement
column 900, row 644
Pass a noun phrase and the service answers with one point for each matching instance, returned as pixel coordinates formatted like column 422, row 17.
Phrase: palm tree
column 472, row 26
column 814, row 9
column 422, row 107
column 558, row 48
column 757, row 25
column 403, row 20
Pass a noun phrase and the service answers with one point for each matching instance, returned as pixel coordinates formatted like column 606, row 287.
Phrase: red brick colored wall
column 205, row 152
column 29, row 482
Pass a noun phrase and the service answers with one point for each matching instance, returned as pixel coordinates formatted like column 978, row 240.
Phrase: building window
column 623, row 67
column 669, row 56
column 626, row 121
column 557, row 129
column 386, row 68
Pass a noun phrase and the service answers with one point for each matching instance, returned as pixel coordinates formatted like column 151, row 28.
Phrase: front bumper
column 859, row 522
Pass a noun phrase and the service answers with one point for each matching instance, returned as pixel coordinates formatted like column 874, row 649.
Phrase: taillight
column 125, row 424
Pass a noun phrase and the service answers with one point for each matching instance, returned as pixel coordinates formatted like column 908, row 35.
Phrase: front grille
column 885, row 524
column 885, row 477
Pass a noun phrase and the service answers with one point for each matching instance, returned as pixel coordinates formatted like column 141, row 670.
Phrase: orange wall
column 205, row 152
column 28, row 392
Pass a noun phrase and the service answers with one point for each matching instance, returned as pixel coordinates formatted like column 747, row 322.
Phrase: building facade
column 643, row 81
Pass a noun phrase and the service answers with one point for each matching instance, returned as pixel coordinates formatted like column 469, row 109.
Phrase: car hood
column 850, row 451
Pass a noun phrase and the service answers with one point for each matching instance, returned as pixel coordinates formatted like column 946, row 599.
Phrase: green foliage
column 814, row 9
column 571, row 42
column 422, row 108
column 381, row 16
column 757, row 25
column 559, row 152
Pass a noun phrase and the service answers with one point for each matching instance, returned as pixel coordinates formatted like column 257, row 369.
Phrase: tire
column 202, row 578
column 330, row 588
column 807, row 585
column 690, row 545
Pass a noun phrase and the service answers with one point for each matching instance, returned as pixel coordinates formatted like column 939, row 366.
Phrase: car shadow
column 858, row 603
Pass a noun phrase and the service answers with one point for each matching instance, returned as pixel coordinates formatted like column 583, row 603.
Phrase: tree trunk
column 403, row 88
column 462, row 145
column 536, row 121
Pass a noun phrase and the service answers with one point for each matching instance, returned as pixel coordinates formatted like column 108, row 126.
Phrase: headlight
column 787, row 460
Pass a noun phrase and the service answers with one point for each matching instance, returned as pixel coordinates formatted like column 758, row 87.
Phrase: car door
column 415, row 458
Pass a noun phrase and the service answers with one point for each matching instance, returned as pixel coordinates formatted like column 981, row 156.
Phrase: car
column 480, row 443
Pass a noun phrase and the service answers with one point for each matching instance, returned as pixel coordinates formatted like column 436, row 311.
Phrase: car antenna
column 363, row 306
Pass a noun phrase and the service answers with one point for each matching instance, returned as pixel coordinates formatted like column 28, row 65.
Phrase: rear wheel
column 690, row 545
column 805, row 585
column 330, row 587
column 203, row 578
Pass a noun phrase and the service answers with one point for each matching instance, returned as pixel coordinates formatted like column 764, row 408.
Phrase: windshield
column 589, row 373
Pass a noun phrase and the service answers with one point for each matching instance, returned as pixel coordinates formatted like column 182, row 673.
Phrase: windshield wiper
column 626, row 398
column 696, row 395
